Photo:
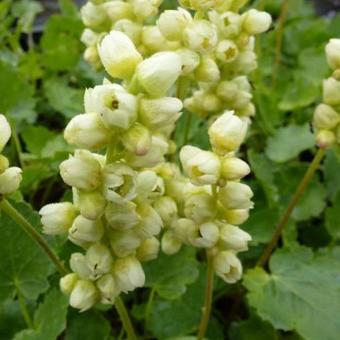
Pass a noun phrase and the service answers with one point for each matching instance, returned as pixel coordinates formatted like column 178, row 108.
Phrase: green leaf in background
column 49, row 318
column 26, row 11
column 301, row 293
column 288, row 142
column 333, row 218
column 169, row 275
column 63, row 98
column 331, row 172
column 11, row 320
column 24, row 267
column 88, row 326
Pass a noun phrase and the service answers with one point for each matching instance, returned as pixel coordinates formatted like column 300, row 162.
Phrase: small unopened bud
column 57, row 218
column 5, row 132
column 89, row 37
column 91, row 204
column 87, row 131
column 79, row 266
column 158, row 73
column 236, row 216
column 184, row 228
column 170, row 244
column 234, row 168
column 10, row 180
column 236, row 195
column 92, row 15
column 331, row 91
column 124, row 242
column 119, row 55
column 166, row 208
column 128, row 273
column 148, row 250
column 234, row 238
column 227, row 266
column 99, row 259
column 137, row 140
column 153, row 41
column 144, row 9
column 227, row 132
column 4, row 163
column 205, row 236
column 207, row 71
column 333, row 53
column 82, row 171
column 68, row 282
column 325, row 117
column 325, row 139
column 189, row 59
column 150, row 222
column 202, row 167
column 256, row 22
column 121, row 215
column 84, row 231
column 226, row 51
column 84, row 295
column 117, row 10
column 132, row 29
column 108, row 289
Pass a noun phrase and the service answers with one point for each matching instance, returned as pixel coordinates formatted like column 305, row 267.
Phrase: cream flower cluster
column 327, row 115
column 10, row 177
column 205, row 209
column 112, row 215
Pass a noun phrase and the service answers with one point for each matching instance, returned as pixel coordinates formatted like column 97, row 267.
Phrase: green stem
column 124, row 317
column 314, row 165
column 149, row 304
column 24, row 310
column 187, row 128
column 17, row 146
column 9, row 210
column 207, row 299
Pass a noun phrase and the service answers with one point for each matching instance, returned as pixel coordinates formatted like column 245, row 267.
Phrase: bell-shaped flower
column 5, row 132
column 84, row 295
column 227, row 266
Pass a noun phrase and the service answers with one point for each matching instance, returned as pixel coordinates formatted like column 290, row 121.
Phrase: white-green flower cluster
column 10, row 177
column 327, row 115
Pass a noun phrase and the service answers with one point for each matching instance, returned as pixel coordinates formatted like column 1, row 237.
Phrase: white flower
column 121, row 215
column 57, row 218
column 170, row 244
column 158, row 73
column 236, row 195
column 325, row 117
column 82, row 171
column 68, row 282
column 189, row 59
column 207, row 71
column 204, row 236
column 79, row 266
column 10, row 180
column 236, row 216
column 234, row 168
column 124, row 242
column 89, row 37
column 227, row 266
column 99, row 259
column 5, row 132
column 227, row 132
column 149, row 185
column 148, row 250
column 333, row 53
column 128, row 273
column 132, row 29
column 202, row 167
column 256, row 22
column 234, row 238
column 84, row 295
column 4, row 163
column 117, row 10
column 90, row 204
column 166, row 208
column 153, row 41
column 331, row 91
column 150, row 222
column 137, row 140
column 93, row 16
column 119, row 55
column 226, row 51
column 87, row 131
column 108, row 289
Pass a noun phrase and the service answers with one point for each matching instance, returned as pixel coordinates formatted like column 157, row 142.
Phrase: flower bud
column 121, row 215
column 10, row 180
column 148, row 250
column 202, row 167
column 119, row 55
column 153, row 40
column 158, row 73
column 331, row 91
column 91, row 56
column 234, row 238
column 149, row 185
column 87, row 131
column 117, row 107
column 325, row 138
column 89, row 37
column 128, row 273
column 170, row 244
column 79, row 266
column 150, row 222
column 325, row 117
column 207, row 71
column 227, row 132
column 81, row 171
column 166, row 208
column 57, row 218
column 227, row 266
column 226, row 51
column 205, row 236
column 200, row 206
column 245, row 62
column 137, row 140
column 124, row 242
column 117, row 10
column 99, row 259
column 333, row 53
column 144, row 9
column 256, row 22
column 108, row 289
column 200, row 36
column 4, row 164
column 189, row 59
column 91, row 204
column 236, row 195
column 84, row 295
column 236, row 216
column 84, row 231
column 234, row 168
column 119, row 183
column 183, row 229
column 68, row 282
column 5, row 132
column 155, row 113
column 172, row 23
column 130, row 28
column 93, row 16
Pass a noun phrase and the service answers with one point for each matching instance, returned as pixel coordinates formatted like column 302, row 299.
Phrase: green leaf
column 169, row 275
column 11, row 320
column 88, row 326
column 26, row 11
column 300, row 294
column 331, row 172
column 288, row 142
column 23, row 264
column 72, row 99
column 333, row 218
column 49, row 319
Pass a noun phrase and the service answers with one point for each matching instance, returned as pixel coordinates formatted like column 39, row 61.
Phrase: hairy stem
column 207, row 299
column 295, row 199
column 12, row 212
column 124, row 317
